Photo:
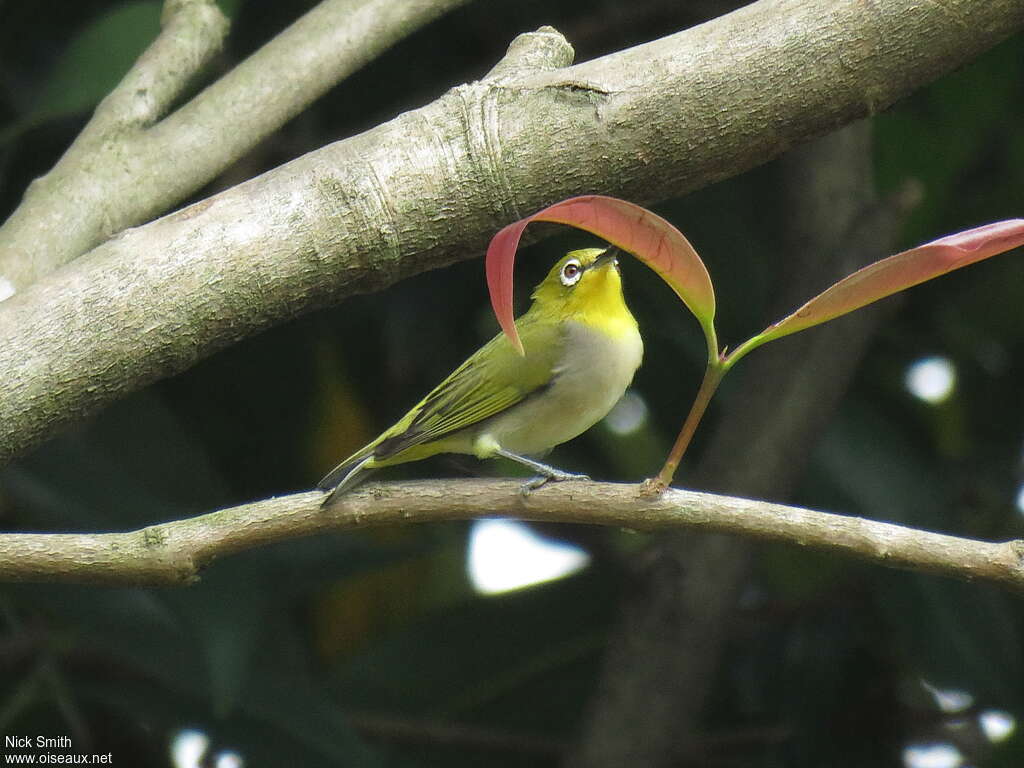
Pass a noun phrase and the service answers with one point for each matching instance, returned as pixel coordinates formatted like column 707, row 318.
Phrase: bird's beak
column 610, row 256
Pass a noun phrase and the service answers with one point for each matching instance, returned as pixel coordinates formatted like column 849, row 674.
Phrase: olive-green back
column 494, row 379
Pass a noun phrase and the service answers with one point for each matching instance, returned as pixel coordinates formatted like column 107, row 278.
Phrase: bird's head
column 583, row 282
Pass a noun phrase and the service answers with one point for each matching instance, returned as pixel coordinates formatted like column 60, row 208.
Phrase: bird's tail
column 346, row 476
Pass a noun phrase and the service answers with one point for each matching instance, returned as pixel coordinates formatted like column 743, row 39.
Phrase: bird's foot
column 545, row 473
column 551, row 476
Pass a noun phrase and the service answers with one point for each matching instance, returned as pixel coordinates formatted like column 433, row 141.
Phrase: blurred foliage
column 371, row 648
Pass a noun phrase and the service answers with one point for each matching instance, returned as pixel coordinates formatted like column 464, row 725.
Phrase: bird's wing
column 495, row 378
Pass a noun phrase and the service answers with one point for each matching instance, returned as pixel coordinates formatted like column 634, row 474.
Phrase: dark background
column 372, row 648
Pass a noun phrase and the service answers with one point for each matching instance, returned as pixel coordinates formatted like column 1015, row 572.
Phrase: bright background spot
column 188, row 747
column 949, row 700
column 506, row 555
column 229, row 760
column 931, row 379
column 628, row 415
column 997, row 725
column 932, row 756
column 1020, row 499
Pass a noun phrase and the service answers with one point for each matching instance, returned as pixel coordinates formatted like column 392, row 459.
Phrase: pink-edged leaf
column 894, row 274
column 633, row 229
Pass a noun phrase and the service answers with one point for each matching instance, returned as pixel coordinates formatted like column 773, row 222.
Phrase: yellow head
column 585, row 286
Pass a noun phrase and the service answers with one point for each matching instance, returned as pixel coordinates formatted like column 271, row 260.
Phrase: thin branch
column 174, row 553
column 192, row 32
column 431, row 186
column 129, row 165
column 77, row 205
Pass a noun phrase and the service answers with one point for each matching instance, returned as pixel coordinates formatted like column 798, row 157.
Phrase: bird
column 581, row 347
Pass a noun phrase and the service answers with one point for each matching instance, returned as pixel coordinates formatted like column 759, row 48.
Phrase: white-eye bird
column 582, row 347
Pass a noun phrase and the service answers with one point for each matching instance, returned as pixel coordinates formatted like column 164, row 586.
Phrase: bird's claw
column 555, row 476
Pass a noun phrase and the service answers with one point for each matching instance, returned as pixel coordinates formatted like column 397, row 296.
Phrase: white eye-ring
column 571, row 272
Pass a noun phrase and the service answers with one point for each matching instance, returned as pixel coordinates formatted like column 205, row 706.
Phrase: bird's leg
column 545, row 472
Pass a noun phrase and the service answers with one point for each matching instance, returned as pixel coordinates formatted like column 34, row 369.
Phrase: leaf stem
column 729, row 360
column 707, row 325
column 712, row 378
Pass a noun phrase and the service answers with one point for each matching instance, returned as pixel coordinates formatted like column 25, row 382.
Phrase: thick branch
column 432, row 185
column 127, row 167
column 174, row 553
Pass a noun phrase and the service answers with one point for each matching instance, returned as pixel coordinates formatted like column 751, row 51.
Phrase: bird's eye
column 571, row 272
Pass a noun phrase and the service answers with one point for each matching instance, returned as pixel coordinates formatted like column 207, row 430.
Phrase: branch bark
column 431, row 186
column 135, row 158
column 174, row 553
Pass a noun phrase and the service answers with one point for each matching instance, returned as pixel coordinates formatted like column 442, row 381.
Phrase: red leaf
column 634, row 229
column 906, row 269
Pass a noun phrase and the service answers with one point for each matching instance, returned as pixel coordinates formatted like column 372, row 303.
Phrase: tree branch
column 76, row 206
column 174, row 553
column 432, row 185
column 131, row 162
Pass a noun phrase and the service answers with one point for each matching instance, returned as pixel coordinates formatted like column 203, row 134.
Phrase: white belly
column 595, row 371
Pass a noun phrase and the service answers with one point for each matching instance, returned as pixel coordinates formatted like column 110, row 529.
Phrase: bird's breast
column 592, row 374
